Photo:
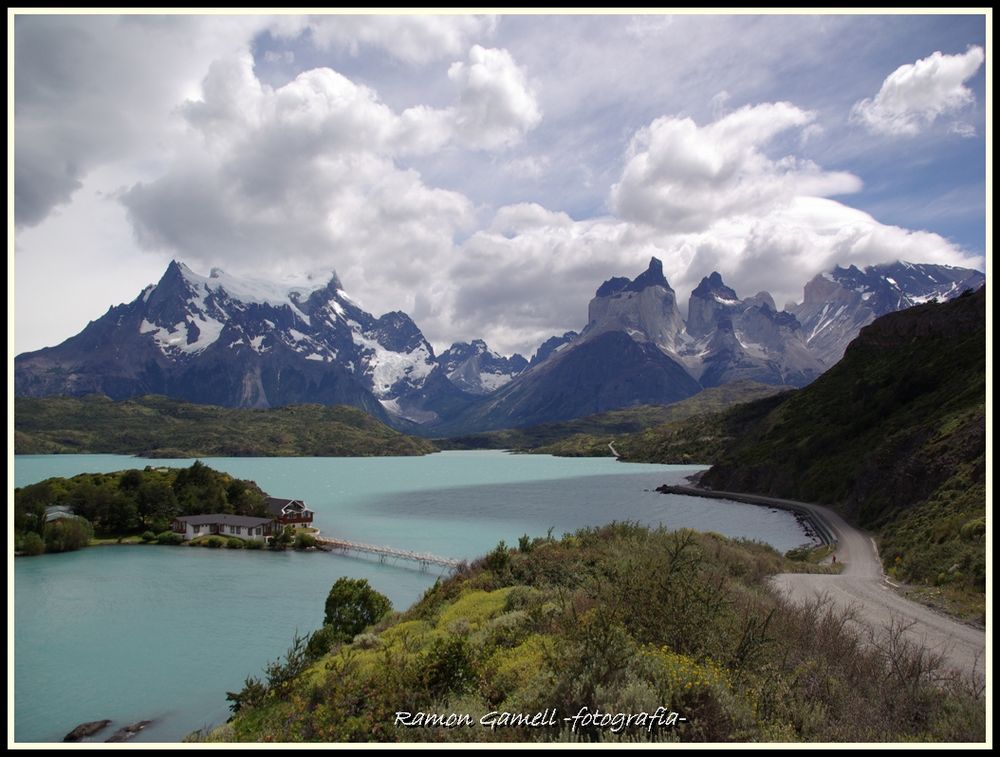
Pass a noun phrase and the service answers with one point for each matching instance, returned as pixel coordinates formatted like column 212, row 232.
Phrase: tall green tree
column 352, row 605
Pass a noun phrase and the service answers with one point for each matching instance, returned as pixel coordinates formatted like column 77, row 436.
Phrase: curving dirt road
column 863, row 587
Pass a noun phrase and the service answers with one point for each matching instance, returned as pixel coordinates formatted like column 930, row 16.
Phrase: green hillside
column 156, row 426
column 893, row 436
column 621, row 620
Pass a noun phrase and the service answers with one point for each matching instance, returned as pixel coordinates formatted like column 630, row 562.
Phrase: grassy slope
column 589, row 436
column 626, row 620
column 893, row 436
column 161, row 427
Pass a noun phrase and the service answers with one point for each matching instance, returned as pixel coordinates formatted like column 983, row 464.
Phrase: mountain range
column 238, row 342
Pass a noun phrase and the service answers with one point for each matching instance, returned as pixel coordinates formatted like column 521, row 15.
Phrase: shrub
column 32, row 544
column 148, row 536
column 352, row 605
column 67, row 534
column 304, row 540
column 322, row 641
column 233, row 543
column 254, row 544
column 169, row 537
column 214, row 542
column 282, row 540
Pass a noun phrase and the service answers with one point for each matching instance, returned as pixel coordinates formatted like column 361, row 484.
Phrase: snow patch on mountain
column 388, row 368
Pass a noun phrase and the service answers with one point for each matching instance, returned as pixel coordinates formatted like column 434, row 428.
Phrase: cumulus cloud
column 916, row 94
column 682, row 177
column 310, row 172
column 495, row 104
column 299, row 176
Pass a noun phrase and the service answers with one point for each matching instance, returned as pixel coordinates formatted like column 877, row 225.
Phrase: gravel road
column 863, row 587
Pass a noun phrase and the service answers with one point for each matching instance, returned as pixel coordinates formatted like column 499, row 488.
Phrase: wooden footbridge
column 386, row 553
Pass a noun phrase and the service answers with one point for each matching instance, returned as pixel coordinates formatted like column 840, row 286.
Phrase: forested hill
column 155, row 426
column 894, row 436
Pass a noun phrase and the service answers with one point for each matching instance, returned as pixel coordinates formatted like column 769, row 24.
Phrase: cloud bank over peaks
column 681, row 177
column 314, row 170
column 916, row 94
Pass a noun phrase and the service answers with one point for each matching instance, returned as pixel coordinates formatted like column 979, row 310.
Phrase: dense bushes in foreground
column 619, row 619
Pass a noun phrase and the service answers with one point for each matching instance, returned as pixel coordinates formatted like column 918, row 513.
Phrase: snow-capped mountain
column 838, row 303
column 233, row 341
column 476, row 369
column 637, row 349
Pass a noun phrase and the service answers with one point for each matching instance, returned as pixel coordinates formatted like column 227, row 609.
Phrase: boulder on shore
column 86, row 729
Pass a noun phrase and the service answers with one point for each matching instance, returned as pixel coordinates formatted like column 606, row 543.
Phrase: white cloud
column 916, row 94
column 967, row 131
column 495, row 104
column 308, row 174
column 285, row 56
column 527, row 166
column 304, row 176
column 681, row 177
column 718, row 103
column 91, row 90
column 415, row 39
column 227, row 168
column 533, row 271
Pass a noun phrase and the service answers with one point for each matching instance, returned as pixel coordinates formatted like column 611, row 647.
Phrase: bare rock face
column 645, row 309
column 84, row 730
column 728, row 339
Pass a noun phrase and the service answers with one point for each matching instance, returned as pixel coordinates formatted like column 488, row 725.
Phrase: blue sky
column 486, row 173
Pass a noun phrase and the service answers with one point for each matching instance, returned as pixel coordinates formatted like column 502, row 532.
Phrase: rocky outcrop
column 84, row 730
column 126, row 733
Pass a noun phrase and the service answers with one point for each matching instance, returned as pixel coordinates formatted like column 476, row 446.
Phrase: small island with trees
column 140, row 506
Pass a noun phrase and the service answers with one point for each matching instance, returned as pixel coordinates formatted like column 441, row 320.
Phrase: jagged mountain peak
column 652, row 276
column 644, row 308
column 714, row 285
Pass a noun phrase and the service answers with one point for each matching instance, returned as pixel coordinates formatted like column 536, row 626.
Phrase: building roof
column 58, row 512
column 277, row 505
column 223, row 519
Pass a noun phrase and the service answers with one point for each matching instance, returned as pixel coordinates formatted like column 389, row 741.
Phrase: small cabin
column 289, row 512
column 222, row 524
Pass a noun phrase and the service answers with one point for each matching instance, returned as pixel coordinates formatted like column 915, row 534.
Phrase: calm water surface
column 158, row 633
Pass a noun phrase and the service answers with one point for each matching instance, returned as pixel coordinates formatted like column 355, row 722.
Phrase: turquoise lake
column 157, row 633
